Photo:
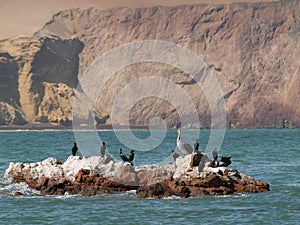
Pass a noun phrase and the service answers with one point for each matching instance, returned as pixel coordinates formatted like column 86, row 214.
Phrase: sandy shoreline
column 60, row 127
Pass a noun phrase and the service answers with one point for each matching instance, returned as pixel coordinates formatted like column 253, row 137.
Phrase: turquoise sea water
column 270, row 155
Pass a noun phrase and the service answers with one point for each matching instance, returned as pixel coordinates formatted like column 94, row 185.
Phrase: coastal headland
column 251, row 48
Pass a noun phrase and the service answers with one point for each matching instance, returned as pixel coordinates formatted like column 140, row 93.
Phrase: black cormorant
column 131, row 157
column 196, row 145
column 74, row 149
column 124, row 157
column 175, row 155
column 103, row 149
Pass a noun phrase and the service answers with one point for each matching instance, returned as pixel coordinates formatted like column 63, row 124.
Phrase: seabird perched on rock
column 124, row 157
column 74, row 149
column 103, row 150
column 215, row 154
column 131, row 157
column 196, row 145
column 226, row 161
column 183, row 147
column 196, row 158
column 175, row 155
column 214, row 163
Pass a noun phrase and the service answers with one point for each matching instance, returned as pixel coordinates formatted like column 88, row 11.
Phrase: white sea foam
column 65, row 196
column 128, row 193
column 22, row 188
column 172, row 197
column 294, row 185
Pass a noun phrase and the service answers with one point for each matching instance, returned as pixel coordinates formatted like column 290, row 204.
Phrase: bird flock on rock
column 197, row 157
column 125, row 158
column 184, row 147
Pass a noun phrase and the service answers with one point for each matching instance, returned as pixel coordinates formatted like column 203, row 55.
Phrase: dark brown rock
column 210, row 184
column 158, row 190
column 17, row 193
column 86, row 183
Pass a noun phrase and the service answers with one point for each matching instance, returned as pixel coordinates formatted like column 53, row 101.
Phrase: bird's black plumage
column 131, row 157
column 123, row 157
column 74, row 149
column 175, row 155
column 103, row 149
column 196, row 145
column 226, row 161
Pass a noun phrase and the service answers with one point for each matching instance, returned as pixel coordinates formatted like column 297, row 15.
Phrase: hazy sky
column 24, row 17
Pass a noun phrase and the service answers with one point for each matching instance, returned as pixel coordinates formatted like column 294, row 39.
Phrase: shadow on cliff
column 57, row 62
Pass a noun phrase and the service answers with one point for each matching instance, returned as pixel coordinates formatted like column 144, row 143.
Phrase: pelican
column 183, row 147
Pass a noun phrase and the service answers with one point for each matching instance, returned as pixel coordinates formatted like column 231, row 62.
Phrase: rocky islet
column 94, row 175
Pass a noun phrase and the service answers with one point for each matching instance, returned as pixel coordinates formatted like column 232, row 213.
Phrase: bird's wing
column 124, row 157
column 188, row 147
column 131, row 157
column 184, row 147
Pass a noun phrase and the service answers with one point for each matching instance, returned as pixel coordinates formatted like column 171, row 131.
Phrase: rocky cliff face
column 252, row 49
column 37, row 77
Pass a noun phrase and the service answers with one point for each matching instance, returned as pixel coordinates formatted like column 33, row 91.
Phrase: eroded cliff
column 252, row 49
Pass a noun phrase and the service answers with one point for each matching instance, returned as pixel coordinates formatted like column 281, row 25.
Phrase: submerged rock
column 95, row 175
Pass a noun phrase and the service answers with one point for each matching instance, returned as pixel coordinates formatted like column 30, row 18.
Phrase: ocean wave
column 65, row 196
column 131, row 193
column 19, row 189
column 242, row 195
column 297, row 185
column 172, row 197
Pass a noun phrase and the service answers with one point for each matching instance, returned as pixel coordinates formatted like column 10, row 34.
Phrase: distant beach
column 48, row 126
